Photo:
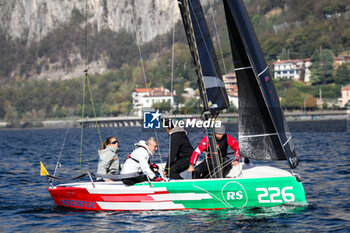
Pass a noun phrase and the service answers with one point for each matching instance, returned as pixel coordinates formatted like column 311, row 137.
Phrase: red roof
column 157, row 91
column 288, row 61
column 347, row 88
column 147, row 89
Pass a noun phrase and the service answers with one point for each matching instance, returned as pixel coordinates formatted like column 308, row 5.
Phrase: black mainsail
column 209, row 79
column 211, row 85
column 263, row 132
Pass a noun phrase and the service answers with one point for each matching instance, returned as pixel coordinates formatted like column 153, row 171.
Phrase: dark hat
column 220, row 129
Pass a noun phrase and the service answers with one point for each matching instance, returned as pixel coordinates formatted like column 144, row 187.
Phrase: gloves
column 154, row 167
column 157, row 179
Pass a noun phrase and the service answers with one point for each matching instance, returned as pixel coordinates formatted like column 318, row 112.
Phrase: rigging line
column 208, row 166
column 82, row 122
column 85, row 41
column 58, row 164
column 222, row 166
column 159, row 152
column 84, row 80
column 173, row 57
column 139, row 49
column 168, row 172
column 93, row 107
column 217, row 36
column 143, row 68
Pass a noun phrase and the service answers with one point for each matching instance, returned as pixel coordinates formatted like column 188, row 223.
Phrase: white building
column 345, row 95
column 297, row 69
column 230, row 82
column 144, row 98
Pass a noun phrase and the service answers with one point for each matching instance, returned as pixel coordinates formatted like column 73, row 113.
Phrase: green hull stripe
column 237, row 193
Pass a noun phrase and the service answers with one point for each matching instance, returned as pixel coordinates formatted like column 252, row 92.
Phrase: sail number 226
column 275, row 195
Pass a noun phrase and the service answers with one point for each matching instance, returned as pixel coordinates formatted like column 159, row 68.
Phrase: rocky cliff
column 33, row 19
column 29, row 25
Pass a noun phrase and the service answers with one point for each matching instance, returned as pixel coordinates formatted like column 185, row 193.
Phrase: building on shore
column 300, row 69
column 230, row 81
column 345, row 95
column 297, row 69
column 144, row 98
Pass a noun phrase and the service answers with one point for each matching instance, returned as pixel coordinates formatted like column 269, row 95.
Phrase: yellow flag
column 43, row 171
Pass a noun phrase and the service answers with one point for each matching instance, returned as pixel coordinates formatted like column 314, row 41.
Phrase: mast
column 211, row 87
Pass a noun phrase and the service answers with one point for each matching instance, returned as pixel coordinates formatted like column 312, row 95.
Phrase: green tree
column 162, row 106
column 11, row 115
column 327, row 60
column 322, row 67
column 294, row 99
column 343, row 75
column 33, row 118
column 284, row 55
column 315, row 68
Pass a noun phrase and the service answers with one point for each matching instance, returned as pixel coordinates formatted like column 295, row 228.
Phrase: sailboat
column 263, row 135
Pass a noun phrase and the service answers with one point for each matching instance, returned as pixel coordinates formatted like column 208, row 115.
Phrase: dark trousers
column 179, row 166
column 134, row 180
column 202, row 170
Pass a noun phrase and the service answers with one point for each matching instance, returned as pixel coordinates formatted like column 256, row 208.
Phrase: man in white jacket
column 138, row 161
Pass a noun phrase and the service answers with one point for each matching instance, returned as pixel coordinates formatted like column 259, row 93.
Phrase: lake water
column 26, row 205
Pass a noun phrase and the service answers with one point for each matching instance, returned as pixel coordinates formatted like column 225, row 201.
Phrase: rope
column 85, row 41
column 58, row 164
column 84, row 80
column 159, row 152
column 93, row 107
column 144, row 73
column 82, row 123
column 172, row 58
column 208, row 166
column 172, row 81
column 228, row 162
column 139, row 49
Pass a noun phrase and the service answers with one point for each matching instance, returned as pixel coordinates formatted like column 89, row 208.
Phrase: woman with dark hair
column 108, row 159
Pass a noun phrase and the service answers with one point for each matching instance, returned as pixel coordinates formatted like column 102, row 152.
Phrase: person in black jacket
column 180, row 151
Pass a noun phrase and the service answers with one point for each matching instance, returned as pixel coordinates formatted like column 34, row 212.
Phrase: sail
column 211, row 85
column 263, row 132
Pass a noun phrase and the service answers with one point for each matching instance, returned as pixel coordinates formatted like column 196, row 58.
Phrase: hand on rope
column 190, row 168
column 235, row 163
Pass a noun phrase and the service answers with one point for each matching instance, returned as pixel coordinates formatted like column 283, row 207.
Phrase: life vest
column 129, row 157
column 222, row 145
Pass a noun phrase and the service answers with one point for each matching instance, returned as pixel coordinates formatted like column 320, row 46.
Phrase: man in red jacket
column 223, row 141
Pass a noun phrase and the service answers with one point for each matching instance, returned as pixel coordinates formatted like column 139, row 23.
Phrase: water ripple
column 26, row 205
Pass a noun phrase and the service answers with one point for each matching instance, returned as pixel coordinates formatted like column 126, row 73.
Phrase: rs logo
column 273, row 195
column 234, row 195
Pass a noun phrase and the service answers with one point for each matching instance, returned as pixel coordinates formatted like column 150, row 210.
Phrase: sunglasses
column 115, row 142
